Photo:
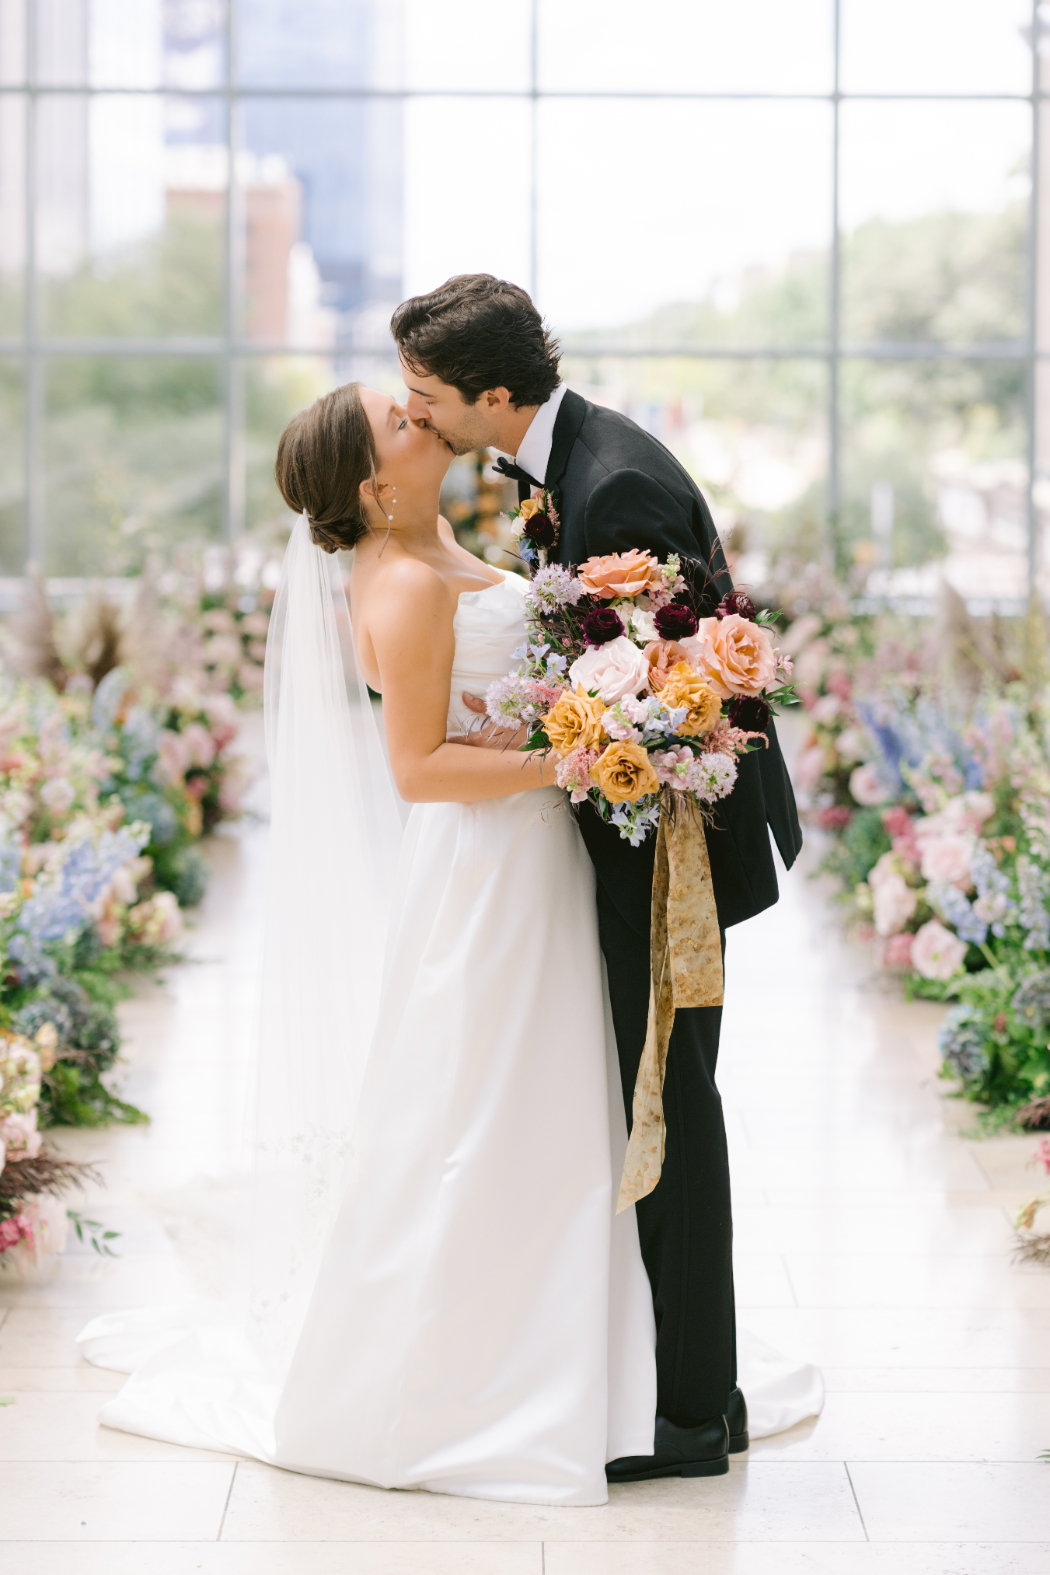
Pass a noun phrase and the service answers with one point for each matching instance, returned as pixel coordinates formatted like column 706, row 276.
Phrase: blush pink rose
column 866, row 786
column 895, row 902
column 897, row 953
column 617, row 574
column 20, row 1136
column 616, row 669
column 733, row 655
column 936, row 953
column 947, row 858
column 200, row 746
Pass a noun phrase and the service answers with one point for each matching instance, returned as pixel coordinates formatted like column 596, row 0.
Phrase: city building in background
column 801, row 245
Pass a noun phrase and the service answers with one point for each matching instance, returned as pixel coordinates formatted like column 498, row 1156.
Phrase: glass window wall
column 799, row 243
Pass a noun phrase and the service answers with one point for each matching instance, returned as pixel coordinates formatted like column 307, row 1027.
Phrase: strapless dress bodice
column 489, row 627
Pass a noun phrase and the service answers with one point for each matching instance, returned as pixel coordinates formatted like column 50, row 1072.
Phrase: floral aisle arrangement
column 938, row 806
column 78, row 900
column 172, row 765
column 646, row 705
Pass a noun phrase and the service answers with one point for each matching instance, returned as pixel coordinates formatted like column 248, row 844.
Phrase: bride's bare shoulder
column 405, row 584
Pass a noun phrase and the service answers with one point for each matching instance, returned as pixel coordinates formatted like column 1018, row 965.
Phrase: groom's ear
column 495, row 400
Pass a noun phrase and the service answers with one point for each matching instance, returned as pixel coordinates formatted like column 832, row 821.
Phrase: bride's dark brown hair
column 323, row 456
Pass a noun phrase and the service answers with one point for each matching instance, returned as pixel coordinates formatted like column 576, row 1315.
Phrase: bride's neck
column 414, row 525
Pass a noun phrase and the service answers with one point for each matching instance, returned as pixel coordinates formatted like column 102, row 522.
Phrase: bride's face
column 407, row 452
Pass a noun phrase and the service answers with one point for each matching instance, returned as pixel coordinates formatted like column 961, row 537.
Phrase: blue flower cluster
column 636, row 821
column 906, row 736
column 1033, row 889
column 952, row 905
column 59, row 907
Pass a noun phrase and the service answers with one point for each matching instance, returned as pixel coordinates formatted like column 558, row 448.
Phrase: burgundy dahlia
column 735, row 602
column 675, row 622
column 540, row 530
column 601, row 625
column 748, row 712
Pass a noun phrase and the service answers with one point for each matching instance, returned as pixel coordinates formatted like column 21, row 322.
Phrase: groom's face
column 441, row 407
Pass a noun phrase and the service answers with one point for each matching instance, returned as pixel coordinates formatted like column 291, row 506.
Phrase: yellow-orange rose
column 617, row 574
column 684, row 686
column 624, row 774
column 735, row 655
column 661, row 656
column 575, row 722
column 527, row 509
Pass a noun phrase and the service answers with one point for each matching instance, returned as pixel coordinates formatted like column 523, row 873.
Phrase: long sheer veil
column 212, row 1373
column 334, row 836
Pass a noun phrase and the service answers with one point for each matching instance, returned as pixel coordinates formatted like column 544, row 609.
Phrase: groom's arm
column 631, row 509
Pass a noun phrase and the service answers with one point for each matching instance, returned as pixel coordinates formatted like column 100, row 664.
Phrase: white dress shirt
column 534, row 450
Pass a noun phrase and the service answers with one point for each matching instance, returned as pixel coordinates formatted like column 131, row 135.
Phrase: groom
column 482, row 371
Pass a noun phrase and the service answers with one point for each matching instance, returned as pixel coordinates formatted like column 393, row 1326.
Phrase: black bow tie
column 514, row 472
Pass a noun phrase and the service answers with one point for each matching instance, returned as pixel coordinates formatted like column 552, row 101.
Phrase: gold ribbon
column 686, row 970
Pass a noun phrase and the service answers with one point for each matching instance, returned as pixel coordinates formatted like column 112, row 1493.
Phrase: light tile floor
column 872, row 1238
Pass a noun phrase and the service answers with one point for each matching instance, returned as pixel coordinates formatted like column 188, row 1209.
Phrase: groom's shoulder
column 618, row 443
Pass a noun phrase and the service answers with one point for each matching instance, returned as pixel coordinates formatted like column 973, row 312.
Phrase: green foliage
column 853, row 855
column 1014, row 1066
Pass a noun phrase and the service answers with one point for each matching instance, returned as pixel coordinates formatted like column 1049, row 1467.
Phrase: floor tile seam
column 226, row 1506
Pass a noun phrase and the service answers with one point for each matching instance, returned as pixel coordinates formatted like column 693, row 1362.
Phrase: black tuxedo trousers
column 685, row 1225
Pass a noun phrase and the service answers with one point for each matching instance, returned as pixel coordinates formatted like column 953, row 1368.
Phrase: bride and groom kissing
column 476, row 1318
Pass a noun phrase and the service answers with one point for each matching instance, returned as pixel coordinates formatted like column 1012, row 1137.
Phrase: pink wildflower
column 574, row 772
column 1042, row 1154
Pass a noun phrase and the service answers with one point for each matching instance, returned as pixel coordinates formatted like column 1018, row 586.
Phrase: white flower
column 616, row 669
column 866, row 786
column 643, row 625
column 894, row 902
column 936, row 953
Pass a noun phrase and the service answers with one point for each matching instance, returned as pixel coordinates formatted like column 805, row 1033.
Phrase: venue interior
column 806, row 247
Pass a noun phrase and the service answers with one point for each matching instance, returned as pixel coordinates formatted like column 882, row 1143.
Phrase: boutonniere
column 535, row 525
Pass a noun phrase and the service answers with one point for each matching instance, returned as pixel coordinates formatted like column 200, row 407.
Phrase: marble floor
column 873, row 1237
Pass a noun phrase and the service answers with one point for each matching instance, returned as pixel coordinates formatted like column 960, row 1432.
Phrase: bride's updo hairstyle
column 323, row 456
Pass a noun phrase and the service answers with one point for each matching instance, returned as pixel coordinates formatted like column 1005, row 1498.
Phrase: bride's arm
column 410, row 625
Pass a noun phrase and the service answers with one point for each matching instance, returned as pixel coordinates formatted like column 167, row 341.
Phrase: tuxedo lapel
column 567, row 424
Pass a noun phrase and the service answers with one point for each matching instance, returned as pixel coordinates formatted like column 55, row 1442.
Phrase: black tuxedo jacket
column 618, row 488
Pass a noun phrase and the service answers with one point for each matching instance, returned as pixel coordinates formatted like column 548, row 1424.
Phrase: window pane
column 12, row 212
column 752, row 434
column 12, row 468
column 686, row 46
column 274, row 389
column 479, row 222
column 134, row 459
column 131, row 220
column 948, row 439
column 386, row 44
column 12, row 42
column 692, row 209
column 320, row 199
column 935, row 206
column 936, row 46
column 107, row 43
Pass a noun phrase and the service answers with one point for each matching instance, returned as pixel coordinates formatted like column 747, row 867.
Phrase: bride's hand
column 490, row 737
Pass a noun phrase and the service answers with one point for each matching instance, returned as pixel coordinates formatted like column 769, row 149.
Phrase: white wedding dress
column 480, row 1321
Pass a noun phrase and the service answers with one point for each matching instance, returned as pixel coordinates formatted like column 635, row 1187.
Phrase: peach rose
column 661, row 656
column 733, row 654
column 624, row 773
column 684, row 686
column 574, row 722
column 617, row 574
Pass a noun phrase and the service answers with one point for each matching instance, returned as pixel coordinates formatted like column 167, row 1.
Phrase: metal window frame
column 232, row 350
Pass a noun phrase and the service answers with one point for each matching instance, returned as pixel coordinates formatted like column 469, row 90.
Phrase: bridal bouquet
column 645, row 703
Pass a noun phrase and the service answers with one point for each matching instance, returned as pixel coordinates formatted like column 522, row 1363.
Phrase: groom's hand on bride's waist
column 487, row 737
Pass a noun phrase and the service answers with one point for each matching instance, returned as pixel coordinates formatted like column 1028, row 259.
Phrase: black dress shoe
column 679, row 1452
column 736, row 1421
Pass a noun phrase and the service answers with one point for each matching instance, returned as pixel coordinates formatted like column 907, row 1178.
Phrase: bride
column 439, row 1292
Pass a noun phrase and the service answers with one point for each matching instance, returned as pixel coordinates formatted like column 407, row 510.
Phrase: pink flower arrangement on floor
column 641, row 700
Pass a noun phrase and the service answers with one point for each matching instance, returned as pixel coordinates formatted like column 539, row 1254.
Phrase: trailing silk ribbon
column 686, row 963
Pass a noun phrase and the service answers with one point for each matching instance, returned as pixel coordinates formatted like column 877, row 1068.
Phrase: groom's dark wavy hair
column 478, row 332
